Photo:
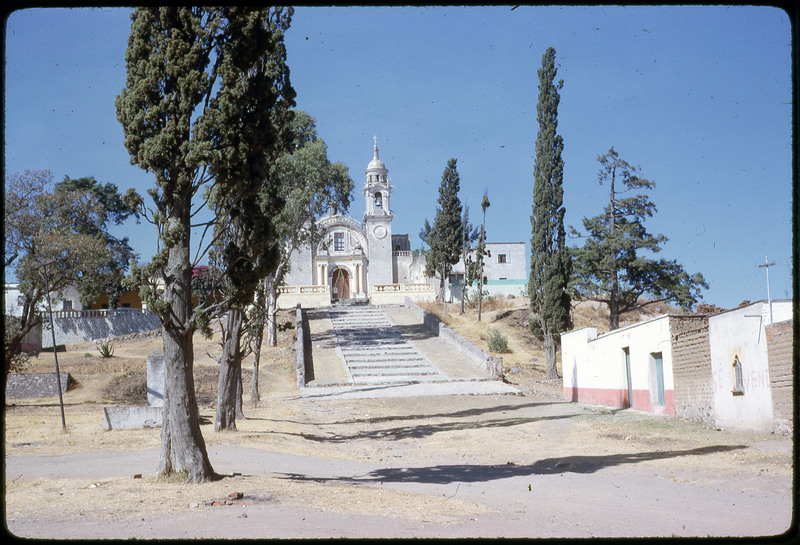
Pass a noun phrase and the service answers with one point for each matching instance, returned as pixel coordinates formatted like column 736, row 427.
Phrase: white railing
column 424, row 287
column 303, row 290
column 402, row 253
column 97, row 313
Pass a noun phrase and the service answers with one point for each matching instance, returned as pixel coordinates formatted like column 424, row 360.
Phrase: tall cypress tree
column 446, row 237
column 550, row 261
column 201, row 111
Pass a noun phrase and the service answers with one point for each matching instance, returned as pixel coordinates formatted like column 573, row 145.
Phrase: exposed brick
column 780, row 354
column 691, row 367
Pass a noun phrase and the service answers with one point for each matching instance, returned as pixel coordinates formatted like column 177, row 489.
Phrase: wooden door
column 340, row 287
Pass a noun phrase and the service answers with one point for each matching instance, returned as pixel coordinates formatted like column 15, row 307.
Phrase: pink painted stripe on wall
column 619, row 399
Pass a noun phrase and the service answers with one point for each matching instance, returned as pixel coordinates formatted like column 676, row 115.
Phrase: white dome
column 376, row 164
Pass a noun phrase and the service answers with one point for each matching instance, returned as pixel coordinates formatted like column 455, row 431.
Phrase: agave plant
column 105, row 348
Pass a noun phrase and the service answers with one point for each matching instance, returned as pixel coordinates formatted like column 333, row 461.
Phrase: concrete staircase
column 373, row 349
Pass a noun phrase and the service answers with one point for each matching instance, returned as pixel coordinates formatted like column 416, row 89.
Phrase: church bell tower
column 378, row 221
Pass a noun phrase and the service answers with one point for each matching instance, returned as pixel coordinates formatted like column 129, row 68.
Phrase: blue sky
column 699, row 97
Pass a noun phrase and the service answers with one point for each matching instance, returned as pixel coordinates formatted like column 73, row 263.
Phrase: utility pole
column 767, row 265
column 53, row 332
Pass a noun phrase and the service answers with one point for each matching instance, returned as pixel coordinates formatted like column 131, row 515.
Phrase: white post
column 767, row 265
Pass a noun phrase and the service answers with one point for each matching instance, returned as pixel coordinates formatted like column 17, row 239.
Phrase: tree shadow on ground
column 470, row 473
column 466, row 413
column 422, row 430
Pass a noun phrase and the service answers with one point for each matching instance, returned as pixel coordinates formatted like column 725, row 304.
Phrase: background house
column 732, row 370
column 505, row 270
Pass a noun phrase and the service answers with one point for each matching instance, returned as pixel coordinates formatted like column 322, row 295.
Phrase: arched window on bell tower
column 378, row 201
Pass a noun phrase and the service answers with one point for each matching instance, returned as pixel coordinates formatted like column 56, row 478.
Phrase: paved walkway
column 365, row 351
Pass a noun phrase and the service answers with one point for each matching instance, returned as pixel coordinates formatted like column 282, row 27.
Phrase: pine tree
column 612, row 267
column 446, row 236
column 550, row 260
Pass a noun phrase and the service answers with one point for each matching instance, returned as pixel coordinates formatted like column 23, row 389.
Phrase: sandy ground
column 446, row 466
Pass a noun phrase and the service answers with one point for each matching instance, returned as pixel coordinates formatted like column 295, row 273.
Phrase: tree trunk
column 271, row 314
column 239, row 393
column 230, row 374
column 182, row 446
column 613, row 308
column 480, row 292
column 613, row 302
column 549, row 353
column 259, row 339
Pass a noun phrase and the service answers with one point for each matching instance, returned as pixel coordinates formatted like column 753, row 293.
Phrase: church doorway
column 340, row 284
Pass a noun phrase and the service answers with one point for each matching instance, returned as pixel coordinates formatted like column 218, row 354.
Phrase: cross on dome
column 376, row 163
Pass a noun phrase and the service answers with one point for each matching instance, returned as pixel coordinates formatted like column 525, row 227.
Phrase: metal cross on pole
column 767, row 265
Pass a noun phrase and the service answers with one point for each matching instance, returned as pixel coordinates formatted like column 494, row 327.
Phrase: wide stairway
column 374, row 350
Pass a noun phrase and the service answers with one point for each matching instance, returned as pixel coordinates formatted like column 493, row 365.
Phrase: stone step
column 404, row 364
column 387, row 358
column 384, row 373
column 376, row 342
column 367, row 333
column 378, row 350
column 407, row 379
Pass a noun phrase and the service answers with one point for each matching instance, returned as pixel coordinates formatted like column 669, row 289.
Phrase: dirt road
column 434, row 466
column 455, row 466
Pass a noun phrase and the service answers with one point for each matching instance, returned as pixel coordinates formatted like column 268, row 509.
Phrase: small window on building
column 67, row 304
column 378, row 200
column 737, row 377
column 501, row 258
column 338, row 242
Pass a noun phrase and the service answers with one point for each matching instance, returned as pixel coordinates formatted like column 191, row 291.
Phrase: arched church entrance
column 340, row 284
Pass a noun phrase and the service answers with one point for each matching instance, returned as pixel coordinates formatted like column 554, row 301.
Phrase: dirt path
column 460, row 466
column 438, row 466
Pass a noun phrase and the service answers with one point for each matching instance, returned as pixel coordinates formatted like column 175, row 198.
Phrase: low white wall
column 307, row 296
column 594, row 368
column 492, row 364
column 396, row 294
column 80, row 326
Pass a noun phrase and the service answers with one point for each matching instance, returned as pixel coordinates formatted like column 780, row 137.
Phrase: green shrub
column 498, row 342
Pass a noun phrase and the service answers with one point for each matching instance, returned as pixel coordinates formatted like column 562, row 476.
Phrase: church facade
column 357, row 260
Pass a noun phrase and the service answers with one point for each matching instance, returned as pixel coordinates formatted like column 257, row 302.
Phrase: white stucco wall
column 594, row 369
column 740, row 332
column 379, row 241
column 514, row 268
column 301, row 271
column 14, row 308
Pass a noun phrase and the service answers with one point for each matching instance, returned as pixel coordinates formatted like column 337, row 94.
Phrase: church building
column 355, row 260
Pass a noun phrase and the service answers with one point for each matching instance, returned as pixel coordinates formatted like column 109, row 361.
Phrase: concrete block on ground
column 155, row 379
column 132, row 418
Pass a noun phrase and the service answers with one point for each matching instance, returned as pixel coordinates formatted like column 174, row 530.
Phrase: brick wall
column 780, row 355
column 691, row 368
